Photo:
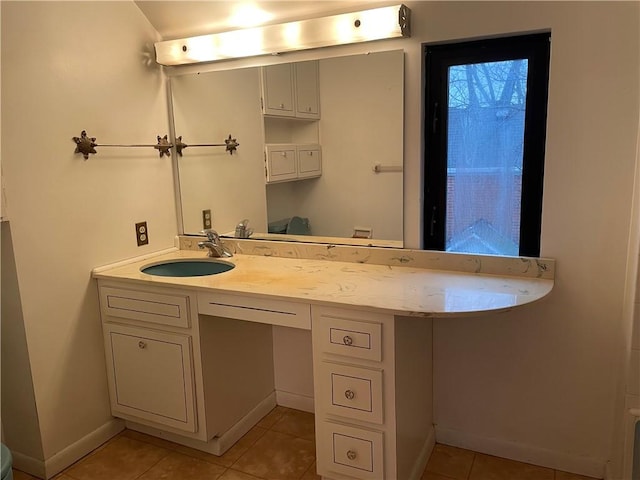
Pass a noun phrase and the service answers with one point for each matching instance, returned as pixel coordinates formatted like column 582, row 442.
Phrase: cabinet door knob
column 349, row 394
column 141, row 344
column 284, row 154
column 351, row 455
column 282, row 105
column 347, row 340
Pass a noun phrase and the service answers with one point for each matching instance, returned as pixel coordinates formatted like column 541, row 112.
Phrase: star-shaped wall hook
column 85, row 144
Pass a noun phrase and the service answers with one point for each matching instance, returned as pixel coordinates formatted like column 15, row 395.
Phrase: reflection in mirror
column 306, row 169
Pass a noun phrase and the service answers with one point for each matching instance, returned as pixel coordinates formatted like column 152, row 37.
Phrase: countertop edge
column 362, row 301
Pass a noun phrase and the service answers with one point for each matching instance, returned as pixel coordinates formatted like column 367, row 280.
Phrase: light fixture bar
column 362, row 26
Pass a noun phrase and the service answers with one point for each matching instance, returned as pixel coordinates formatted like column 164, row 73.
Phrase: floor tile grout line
column 473, row 460
column 168, row 453
column 140, row 476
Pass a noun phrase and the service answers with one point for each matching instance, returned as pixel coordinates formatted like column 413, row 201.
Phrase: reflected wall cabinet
column 291, row 90
column 287, row 162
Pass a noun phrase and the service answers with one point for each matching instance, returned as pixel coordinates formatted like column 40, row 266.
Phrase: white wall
column 207, row 109
column 361, row 125
column 628, row 393
column 361, row 100
column 69, row 66
column 19, row 413
column 539, row 383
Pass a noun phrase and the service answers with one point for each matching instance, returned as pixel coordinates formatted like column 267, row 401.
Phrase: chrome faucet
column 242, row 230
column 214, row 244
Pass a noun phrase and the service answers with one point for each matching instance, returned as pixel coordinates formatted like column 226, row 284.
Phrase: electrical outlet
column 142, row 233
column 206, row 219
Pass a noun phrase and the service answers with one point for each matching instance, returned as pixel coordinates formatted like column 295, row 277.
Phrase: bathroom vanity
column 190, row 359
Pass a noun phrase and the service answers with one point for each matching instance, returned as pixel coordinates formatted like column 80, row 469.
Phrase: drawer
column 150, row 376
column 163, row 309
column 352, row 392
column 351, row 338
column 260, row 310
column 351, row 451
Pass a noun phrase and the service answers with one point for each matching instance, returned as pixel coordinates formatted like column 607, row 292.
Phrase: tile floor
column 280, row 447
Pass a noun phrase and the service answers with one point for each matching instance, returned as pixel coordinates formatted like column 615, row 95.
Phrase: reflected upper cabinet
column 291, row 90
column 287, row 162
column 307, row 93
column 291, row 110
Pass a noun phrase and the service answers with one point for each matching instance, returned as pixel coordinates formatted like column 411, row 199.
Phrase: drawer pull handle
column 141, row 344
column 349, row 394
column 351, row 455
column 347, row 340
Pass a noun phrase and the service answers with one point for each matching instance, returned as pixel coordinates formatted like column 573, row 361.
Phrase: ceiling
column 183, row 18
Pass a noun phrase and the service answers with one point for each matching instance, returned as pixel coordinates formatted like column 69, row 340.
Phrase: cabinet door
column 281, row 163
column 150, row 376
column 307, row 90
column 277, row 90
column 309, row 161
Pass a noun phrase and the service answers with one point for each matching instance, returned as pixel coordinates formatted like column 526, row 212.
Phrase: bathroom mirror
column 356, row 195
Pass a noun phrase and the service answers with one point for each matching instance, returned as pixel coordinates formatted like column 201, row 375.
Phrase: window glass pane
column 486, row 112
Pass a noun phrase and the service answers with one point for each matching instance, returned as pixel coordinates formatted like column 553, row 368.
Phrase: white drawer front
column 354, row 392
column 150, row 376
column 145, row 306
column 273, row 312
column 351, row 451
column 350, row 338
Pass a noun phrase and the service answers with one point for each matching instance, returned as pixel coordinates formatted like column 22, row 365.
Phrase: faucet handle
column 211, row 234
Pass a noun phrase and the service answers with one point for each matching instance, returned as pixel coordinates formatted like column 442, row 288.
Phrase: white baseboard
column 423, row 457
column 589, row 466
column 28, row 464
column 295, row 401
column 631, row 417
column 69, row 455
column 217, row 445
column 82, row 447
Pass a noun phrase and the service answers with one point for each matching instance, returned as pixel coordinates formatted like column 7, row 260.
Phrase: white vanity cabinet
column 192, row 359
column 149, row 346
column 291, row 90
column 288, row 162
column 373, row 390
column 203, row 379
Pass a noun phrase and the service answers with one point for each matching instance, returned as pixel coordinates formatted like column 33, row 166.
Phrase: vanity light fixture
column 362, row 26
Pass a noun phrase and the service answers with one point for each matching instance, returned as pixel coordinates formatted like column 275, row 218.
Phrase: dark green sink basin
column 187, row 268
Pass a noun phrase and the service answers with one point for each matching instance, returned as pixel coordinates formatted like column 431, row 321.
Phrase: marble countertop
column 399, row 290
